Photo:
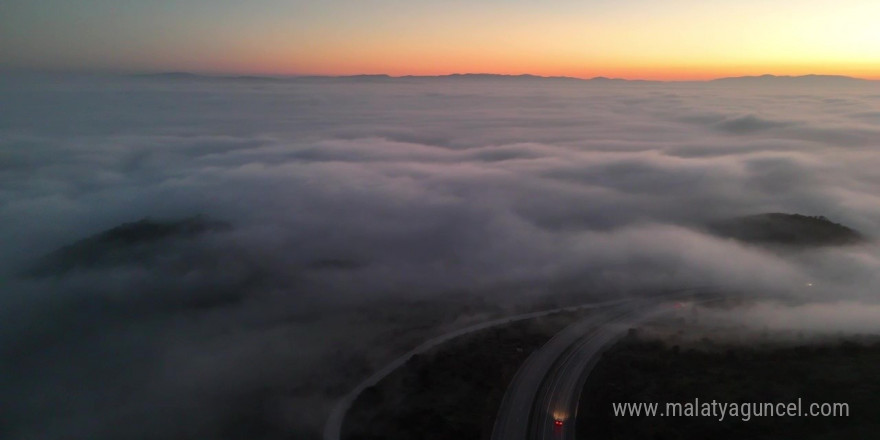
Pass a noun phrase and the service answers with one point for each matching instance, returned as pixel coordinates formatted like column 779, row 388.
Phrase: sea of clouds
column 352, row 194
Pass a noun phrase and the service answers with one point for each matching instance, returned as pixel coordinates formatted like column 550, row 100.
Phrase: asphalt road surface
column 333, row 427
column 546, row 389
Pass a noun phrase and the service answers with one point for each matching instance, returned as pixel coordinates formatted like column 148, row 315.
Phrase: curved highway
column 559, row 394
column 333, row 427
column 541, row 400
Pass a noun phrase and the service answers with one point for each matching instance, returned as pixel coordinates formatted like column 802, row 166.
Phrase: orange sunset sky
column 663, row 39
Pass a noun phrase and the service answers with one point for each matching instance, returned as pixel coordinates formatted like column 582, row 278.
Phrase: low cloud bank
column 347, row 198
column 817, row 319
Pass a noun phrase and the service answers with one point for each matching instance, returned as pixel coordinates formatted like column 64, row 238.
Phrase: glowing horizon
column 631, row 39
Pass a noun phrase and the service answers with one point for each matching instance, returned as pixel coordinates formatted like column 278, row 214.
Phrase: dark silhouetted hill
column 126, row 243
column 787, row 229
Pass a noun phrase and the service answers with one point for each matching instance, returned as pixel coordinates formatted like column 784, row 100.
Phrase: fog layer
column 345, row 198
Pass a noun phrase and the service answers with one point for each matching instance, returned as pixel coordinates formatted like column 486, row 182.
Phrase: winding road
column 333, row 427
column 541, row 400
column 546, row 388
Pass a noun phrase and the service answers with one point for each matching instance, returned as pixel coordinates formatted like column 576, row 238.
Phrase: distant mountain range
column 186, row 76
column 745, row 80
column 803, row 79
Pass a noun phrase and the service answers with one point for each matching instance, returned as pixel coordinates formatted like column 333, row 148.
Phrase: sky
column 663, row 39
column 367, row 216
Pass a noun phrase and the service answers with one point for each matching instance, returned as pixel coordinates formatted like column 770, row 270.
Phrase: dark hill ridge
column 126, row 243
column 744, row 80
column 802, row 79
column 187, row 76
column 787, row 229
